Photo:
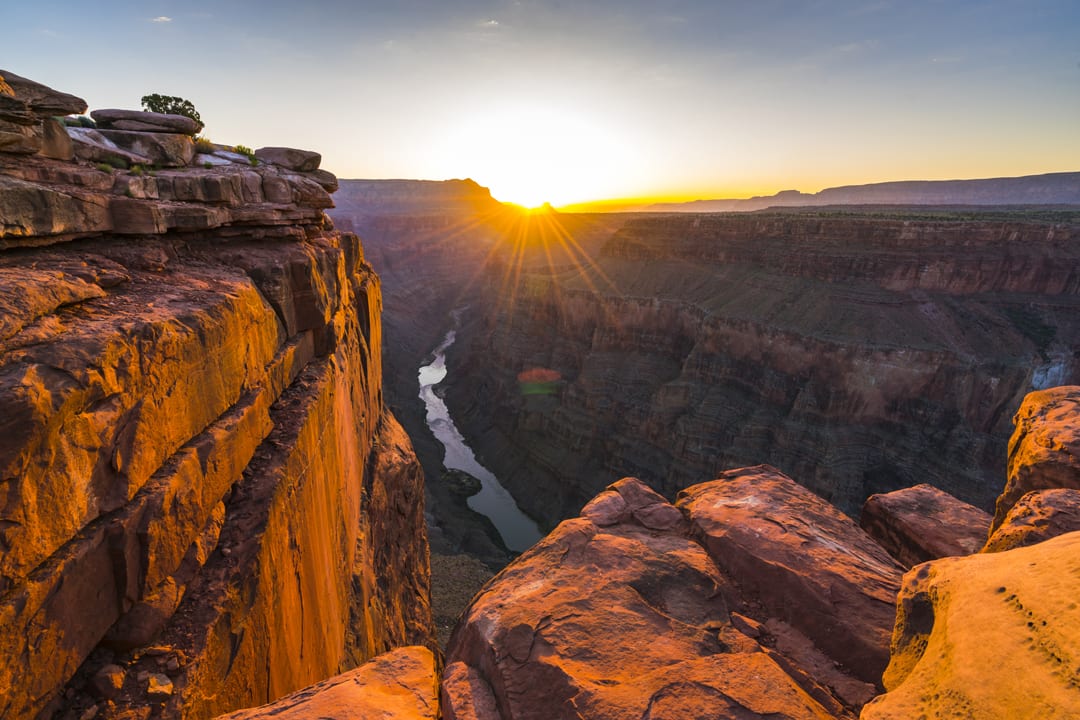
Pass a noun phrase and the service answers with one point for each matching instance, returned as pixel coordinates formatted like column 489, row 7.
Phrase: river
column 518, row 531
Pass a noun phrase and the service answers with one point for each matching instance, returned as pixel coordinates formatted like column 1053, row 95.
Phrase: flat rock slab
column 398, row 685
column 1037, row 517
column 113, row 119
column 42, row 99
column 987, row 636
column 299, row 160
column 1044, row 450
column 616, row 614
column 803, row 560
column 923, row 523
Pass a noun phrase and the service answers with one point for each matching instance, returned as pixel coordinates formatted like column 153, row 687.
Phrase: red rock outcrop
column 923, row 523
column 731, row 605
column 987, row 636
column 204, row 504
column 800, row 560
column 1037, row 516
column 1044, row 451
column 399, row 685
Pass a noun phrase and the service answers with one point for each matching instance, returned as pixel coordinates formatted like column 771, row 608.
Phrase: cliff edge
column 204, row 503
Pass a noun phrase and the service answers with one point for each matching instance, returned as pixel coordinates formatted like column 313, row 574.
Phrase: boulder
column 398, row 685
column 923, row 523
column 164, row 149
column 141, row 121
column 987, row 636
column 1037, row 516
column 1044, row 450
column 55, row 142
column 327, row 180
column 615, row 614
column 89, row 144
column 803, row 560
column 43, row 100
column 299, row 160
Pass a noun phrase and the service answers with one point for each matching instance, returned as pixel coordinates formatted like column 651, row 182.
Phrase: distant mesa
column 1049, row 189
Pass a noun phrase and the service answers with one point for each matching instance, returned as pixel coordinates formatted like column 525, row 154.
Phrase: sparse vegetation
column 171, row 105
column 245, row 150
column 208, row 165
column 137, row 170
column 104, row 167
column 203, row 145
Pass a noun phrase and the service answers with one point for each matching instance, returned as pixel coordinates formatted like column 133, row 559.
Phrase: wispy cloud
column 489, row 24
column 161, row 19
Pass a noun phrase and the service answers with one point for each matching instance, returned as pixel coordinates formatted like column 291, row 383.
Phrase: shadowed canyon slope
column 857, row 354
column 204, row 504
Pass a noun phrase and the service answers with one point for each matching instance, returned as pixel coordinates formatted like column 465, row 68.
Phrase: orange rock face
column 923, row 523
column 203, row 502
column 642, row 609
column 987, row 636
column 1037, row 516
column 1044, row 451
column 399, row 685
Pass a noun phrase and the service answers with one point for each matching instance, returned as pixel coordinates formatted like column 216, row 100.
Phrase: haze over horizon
column 549, row 101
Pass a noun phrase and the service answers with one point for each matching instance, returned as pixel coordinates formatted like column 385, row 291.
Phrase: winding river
column 518, row 531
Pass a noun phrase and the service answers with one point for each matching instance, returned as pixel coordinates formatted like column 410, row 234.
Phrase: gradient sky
column 572, row 101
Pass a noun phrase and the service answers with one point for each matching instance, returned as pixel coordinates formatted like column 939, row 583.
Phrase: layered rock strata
column 639, row 608
column 923, row 523
column 204, row 504
column 858, row 354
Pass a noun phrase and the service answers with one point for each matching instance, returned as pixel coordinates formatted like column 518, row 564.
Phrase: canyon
column 208, row 503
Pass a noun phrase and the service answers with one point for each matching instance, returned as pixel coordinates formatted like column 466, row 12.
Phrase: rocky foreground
column 750, row 597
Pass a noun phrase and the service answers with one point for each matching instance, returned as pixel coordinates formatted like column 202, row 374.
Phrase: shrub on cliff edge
column 171, row 105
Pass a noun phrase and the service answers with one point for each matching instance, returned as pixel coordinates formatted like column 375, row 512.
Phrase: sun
column 530, row 155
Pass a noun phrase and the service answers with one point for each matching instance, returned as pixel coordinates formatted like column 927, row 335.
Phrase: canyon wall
column 204, row 503
column 857, row 354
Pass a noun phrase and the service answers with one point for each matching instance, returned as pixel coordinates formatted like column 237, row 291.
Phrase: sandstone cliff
column 204, row 503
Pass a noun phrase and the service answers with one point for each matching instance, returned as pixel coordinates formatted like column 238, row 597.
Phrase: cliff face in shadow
column 856, row 354
column 204, row 503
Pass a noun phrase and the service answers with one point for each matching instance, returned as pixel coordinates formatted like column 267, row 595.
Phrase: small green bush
column 208, row 165
column 137, row 170
column 104, row 167
column 203, row 145
column 117, row 162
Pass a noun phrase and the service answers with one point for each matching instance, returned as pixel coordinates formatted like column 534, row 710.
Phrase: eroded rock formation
column 711, row 608
column 1044, row 451
column 204, row 504
column 987, row 636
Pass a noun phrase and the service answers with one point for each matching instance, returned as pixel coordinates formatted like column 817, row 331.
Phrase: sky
column 573, row 101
